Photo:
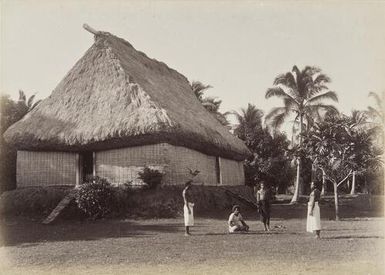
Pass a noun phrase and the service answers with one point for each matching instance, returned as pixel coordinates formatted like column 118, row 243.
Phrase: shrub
column 34, row 201
column 95, row 197
column 151, row 177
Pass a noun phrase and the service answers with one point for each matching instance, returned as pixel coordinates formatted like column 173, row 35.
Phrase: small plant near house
column 95, row 197
column 151, row 177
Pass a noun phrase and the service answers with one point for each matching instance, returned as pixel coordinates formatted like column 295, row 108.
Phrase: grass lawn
column 350, row 246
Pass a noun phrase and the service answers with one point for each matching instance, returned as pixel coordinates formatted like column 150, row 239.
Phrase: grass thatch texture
column 116, row 96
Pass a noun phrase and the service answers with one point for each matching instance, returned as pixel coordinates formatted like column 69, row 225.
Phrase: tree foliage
column 249, row 121
column 338, row 147
column 270, row 161
column 211, row 104
column 11, row 112
column 152, row 177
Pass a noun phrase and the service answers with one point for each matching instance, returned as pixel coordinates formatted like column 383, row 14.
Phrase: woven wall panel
column 232, row 172
column 45, row 168
column 122, row 165
column 182, row 158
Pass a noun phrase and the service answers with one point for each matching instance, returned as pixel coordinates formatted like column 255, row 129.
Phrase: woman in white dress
column 188, row 207
column 313, row 223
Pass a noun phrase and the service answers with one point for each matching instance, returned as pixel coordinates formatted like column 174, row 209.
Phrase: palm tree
column 249, row 120
column 199, row 89
column 302, row 93
column 377, row 118
column 211, row 104
column 27, row 104
column 377, row 113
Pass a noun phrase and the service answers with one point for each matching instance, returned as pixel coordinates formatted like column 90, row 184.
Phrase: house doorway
column 87, row 167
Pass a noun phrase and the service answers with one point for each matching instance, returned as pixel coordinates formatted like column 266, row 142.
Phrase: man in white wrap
column 313, row 223
column 188, row 208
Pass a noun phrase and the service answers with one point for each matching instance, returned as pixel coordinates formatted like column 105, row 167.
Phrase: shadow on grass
column 261, row 233
column 352, row 237
column 26, row 233
column 234, row 234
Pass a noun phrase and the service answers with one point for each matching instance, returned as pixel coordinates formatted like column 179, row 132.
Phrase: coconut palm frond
column 287, row 80
column 328, row 95
column 211, row 104
column 35, row 104
column 376, row 98
column 328, row 108
column 358, row 117
column 278, row 92
column 198, row 88
column 374, row 113
column 22, row 96
column 296, row 70
column 310, row 71
column 30, row 101
column 274, row 112
column 277, row 120
column 321, row 79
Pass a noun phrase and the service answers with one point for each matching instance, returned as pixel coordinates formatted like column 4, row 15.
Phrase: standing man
column 188, row 207
column 264, row 204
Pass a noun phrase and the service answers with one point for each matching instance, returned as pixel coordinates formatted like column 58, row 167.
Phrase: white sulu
column 313, row 222
column 188, row 218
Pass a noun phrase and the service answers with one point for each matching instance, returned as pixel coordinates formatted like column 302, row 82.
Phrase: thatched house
column 117, row 111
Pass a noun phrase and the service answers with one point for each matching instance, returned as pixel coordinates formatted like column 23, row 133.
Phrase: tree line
column 339, row 152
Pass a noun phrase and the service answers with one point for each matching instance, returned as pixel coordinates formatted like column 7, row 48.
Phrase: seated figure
column 236, row 222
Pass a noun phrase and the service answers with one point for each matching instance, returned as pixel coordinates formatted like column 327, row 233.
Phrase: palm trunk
column 323, row 191
column 353, row 191
column 336, row 200
column 295, row 197
column 298, row 185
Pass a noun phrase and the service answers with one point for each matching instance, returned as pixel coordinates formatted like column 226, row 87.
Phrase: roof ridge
column 163, row 64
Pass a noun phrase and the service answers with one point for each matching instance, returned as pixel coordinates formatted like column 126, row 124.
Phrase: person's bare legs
column 187, row 231
column 265, row 223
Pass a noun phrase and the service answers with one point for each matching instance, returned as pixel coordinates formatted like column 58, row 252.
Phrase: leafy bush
column 151, row 177
column 95, row 197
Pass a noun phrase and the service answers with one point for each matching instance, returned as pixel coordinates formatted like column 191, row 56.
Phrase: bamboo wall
column 232, row 172
column 45, row 168
column 123, row 165
column 182, row 158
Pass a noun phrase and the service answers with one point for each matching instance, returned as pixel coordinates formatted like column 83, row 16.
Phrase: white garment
column 188, row 218
column 234, row 222
column 313, row 222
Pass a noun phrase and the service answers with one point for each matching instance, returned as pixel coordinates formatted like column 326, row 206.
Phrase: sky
column 238, row 47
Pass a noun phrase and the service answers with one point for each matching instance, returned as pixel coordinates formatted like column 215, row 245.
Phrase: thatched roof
column 116, row 96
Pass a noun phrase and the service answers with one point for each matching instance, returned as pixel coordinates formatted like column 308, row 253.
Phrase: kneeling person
column 236, row 222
